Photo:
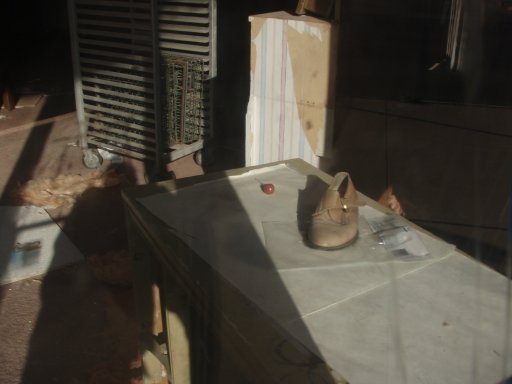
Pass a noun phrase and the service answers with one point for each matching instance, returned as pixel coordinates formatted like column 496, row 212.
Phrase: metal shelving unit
column 120, row 51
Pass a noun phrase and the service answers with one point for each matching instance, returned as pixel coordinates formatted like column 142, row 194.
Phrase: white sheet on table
column 444, row 323
column 371, row 321
column 253, row 240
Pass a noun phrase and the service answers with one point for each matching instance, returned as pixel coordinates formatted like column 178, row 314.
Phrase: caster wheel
column 153, row 177
column 204, row 157
column 153, row 174
column 92, row 159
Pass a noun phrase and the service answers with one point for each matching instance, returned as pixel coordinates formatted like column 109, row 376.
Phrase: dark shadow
column 402, row 83
column 408, row 62
column 27, row 60
column 85, row 331
column 234, row 320
column 232, row 84
column 307, row 203
column 493, row 255
column 27, row 161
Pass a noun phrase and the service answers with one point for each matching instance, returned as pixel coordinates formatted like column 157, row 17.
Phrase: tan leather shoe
column 334, row 224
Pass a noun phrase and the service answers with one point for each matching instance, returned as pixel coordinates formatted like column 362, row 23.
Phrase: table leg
column 148, row 306
column 177, row 320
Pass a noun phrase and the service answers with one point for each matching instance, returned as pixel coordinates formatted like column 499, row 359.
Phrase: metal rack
column 122, row 94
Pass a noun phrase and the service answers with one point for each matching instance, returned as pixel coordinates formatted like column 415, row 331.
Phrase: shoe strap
column 345, row 206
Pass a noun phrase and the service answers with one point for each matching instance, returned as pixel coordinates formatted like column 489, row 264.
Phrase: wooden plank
column 322, row 8
column 185, row 149
column 8, row 99
column 35, row 124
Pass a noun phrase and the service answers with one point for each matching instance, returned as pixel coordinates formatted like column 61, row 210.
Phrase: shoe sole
column 348, row 243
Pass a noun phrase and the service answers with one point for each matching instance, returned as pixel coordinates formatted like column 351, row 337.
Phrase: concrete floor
column 69, row 326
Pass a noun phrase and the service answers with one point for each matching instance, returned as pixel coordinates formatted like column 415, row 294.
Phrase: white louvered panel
column 116, row 56
column 122, row 4
column 116, row 65
column 114, row 24
column 132, row 48
column 112, row 145
column 128, row 106
column 120, row 75
column 194, row 50
column 106, row 14
column 177, row 9
column 124, row 95
column 125, row 87
column 119, row 122
column 113, row 35
column 186, row 28
column 118, row 112
column 121, row 138
column 198, row 2
column 194, row 39
column 121, row 130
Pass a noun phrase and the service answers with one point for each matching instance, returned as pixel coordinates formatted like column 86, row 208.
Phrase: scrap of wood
column 8, row 99
column 38, row 123
column 322, row 8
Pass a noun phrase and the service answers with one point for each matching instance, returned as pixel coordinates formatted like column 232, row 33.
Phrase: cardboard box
column 290, row 110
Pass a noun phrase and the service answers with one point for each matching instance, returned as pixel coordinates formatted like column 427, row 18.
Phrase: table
column 209, row 314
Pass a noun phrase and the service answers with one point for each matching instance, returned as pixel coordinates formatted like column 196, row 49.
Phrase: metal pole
column 77, row 76
column 156, row 86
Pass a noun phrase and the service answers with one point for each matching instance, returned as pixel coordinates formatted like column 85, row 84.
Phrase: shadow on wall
column 233, row 75
column 408, row 62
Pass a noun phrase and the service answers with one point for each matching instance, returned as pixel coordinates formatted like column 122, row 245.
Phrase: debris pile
column 64, row 190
